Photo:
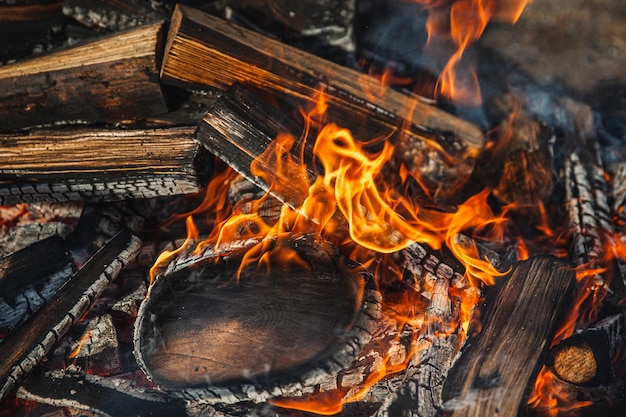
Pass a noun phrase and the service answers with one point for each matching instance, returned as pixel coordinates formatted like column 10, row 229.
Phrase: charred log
column 104, row 81
column 29, row 278
column 115, row 397
column 586, row 357
column 224, row 54
column 517, row 328
column 22, row 350
column 295, row 335
column 101, row 165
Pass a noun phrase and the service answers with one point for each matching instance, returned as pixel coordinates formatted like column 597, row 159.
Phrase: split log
column 22, row 350
column 586, row 357
column 517, row 329
column 204, row 335
column 202, row 50
column 239, row 128
column 108, row 80
column 100, row 165
column 29, row 278
column 114, row 397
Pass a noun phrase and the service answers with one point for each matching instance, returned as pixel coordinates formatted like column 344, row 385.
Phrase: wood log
column 115, row 397
column 239, row 128
column 108, row 80
column 101, row 165
column 586, row 196
column 586, row 357
column 269, row 333
column 202, row 50
column 517, row 329
column 29, row 278
column 22, row 350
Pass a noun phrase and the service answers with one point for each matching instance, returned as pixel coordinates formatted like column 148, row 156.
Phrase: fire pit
column 396, row 208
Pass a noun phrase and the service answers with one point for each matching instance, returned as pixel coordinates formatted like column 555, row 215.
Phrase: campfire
column 243, row 210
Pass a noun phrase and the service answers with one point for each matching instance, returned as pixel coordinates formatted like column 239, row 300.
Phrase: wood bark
column 108, row 80
column 29, row 278
column 517, row 329
column 205, row 51
column 292, row 332
column 22, row 350
column 100, row 165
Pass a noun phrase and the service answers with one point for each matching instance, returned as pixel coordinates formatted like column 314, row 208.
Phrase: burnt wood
column 29, row 278
column 202, row 50
column 586, row 357
column 108, row 80
column 115, row 397
column 239, row 128
column 518, row 325
column 204, row 335
column 22, row 350
column 100, row 164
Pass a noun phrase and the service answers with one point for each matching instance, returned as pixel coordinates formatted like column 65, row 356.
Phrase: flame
column 463, row 22
column 552, row 398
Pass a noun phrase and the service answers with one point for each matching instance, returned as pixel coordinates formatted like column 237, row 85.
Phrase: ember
column 252, row 228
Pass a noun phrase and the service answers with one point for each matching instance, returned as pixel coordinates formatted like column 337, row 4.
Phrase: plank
column 101, row 164
column 517, row 328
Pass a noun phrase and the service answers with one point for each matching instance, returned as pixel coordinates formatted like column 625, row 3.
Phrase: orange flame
column 552, row 398
column 463, row 22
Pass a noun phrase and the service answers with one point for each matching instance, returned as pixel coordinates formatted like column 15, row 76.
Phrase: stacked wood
column 517, row 328
column 202, row 50
column 22, row 350
column 108, row 80
column 29, row 278
column 100, row 165
column 286, row 316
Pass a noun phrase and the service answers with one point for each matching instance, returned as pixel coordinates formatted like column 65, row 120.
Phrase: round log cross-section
column 202, row 326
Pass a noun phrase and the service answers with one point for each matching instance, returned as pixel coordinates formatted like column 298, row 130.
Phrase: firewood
column 202, row 50
column 115, row 397
column 108, row 80
column 517, row 328
column 586, row 357
column 29, row 278
column 238, row 128
column 100, row 165
column 586, row 194
column 22, row 350
column 267, row 333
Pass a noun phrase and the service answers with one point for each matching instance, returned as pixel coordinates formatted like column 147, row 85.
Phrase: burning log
column 22, row 350
column 586, row 356
column 206, row 333
column 205, row 51
column 108, row 80
column 101, row 165
column 517, row 328
column 238, row 129
column 29, row 278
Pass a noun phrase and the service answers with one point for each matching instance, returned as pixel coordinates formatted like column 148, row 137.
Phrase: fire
column 10, row 215
column 462, row 22
column 553, row 399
